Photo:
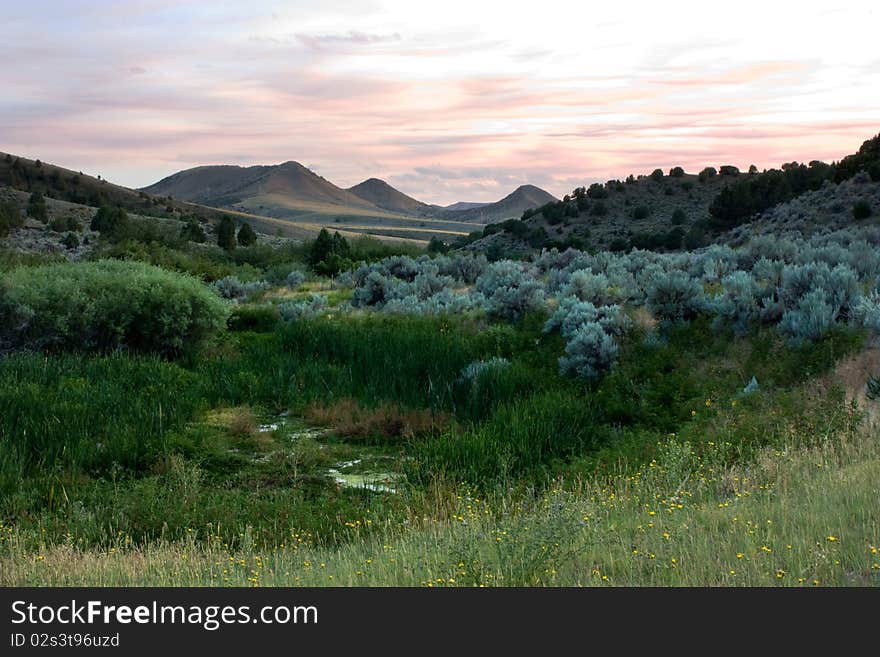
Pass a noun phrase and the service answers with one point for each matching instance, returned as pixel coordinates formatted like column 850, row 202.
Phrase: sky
column 447, row 101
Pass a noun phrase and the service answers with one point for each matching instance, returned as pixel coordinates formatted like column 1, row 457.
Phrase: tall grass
column 98, row 447
column 413, row 360
column 801, row 516
column 69, row 414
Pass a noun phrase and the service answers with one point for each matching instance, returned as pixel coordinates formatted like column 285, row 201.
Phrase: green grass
column 129, row 469
column 788, row 517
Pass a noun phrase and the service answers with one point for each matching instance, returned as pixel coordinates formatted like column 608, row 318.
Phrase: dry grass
column 240, row 423
column 349, row 419
column 853, row 373
column 643, row 319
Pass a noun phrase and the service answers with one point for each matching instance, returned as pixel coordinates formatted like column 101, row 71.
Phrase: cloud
column 322, row 41
column 457, row 101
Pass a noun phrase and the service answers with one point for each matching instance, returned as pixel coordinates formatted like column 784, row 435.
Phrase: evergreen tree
column 226, row 233
column 340, row 246
column 246, row 235
column 37, row 207
column 321, row 248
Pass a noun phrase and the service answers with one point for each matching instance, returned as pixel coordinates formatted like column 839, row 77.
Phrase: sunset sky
column 447, row 100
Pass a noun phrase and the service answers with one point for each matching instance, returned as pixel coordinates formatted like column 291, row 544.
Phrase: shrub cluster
column 107, row 305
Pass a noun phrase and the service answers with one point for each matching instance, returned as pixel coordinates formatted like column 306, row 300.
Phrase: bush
column 676, row 172
column 10, row 217
column 812, row 318
column 674, row 296
column 587, row 286
column 305, row 309
column 861, row 210
column 65, row 224
column 37, row 207
column 109, row 221
column 232, row 288
column 294, row 279
column 509, row 292
column 106, row 305
column 678, row 217
column 657, row 175
column 71, row 241
column 589, row 352
column 739, row 303
column 572, row 314
column 192, row 231
column 641, row 212
column 728, row 170
column 376, row 289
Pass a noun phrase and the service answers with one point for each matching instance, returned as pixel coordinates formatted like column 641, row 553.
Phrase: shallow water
column 377, row 478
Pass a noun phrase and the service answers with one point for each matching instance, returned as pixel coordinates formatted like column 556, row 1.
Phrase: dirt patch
column 853, row 373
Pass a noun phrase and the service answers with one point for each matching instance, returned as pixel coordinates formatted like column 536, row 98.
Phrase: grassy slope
column 660, row 198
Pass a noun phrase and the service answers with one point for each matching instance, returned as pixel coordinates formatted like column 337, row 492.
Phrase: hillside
column 647, row 210
column 22, row 174
column 828, row 209
column 280, row 188
column 382, row 195
column 677, row 210
column 511, row 206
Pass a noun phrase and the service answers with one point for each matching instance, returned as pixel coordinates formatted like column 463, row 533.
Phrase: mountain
column 275, row 190
column 382, row 195
column 511, row 206
column 463, row 205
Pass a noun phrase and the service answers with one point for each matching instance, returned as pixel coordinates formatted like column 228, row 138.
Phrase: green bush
column 65, row 224
column 10, row 217
column 37, row 207
column 109, row 221
column 641, row 212
column 192, row 231
column 861, row 210
column 71, row 241
column 107, row 305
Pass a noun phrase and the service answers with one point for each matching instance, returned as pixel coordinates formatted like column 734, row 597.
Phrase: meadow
column 573, row 419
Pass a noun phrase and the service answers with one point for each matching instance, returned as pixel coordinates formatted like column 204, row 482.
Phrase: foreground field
column 802, row 516
column 224, row 472
column 242, row 418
